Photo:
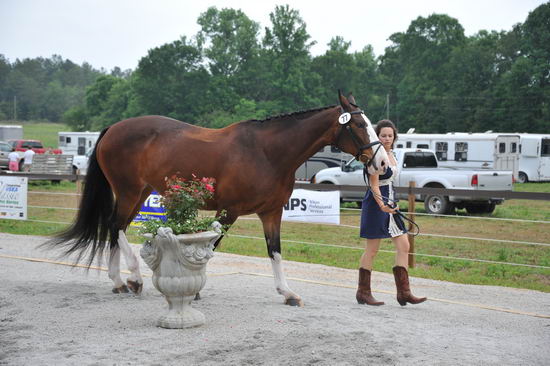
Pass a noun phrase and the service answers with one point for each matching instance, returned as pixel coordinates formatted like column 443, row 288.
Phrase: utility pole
column 15, row 107
column 388, row 106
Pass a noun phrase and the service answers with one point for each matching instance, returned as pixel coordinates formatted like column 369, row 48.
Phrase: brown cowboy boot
column 364, row 294
column 404, row 294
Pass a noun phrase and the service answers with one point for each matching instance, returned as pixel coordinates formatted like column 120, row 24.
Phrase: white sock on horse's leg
column 131, row 259
column 114, row 269
column 280, row 281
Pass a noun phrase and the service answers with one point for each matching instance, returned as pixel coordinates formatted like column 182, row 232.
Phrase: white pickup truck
column 420, row 166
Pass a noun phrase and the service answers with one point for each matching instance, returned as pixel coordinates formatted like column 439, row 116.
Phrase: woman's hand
column 388, row 209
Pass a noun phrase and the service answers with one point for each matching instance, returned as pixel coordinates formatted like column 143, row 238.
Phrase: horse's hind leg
column 134, row 281
column 114, row 272
column 272, row 229
column 125, row 203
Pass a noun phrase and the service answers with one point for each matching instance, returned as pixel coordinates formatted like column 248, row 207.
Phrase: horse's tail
column 87, row 235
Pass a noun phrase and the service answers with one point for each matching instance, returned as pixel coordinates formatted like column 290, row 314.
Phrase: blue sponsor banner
column 151, row 209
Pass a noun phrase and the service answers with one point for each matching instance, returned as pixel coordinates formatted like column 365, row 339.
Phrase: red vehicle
column 35, row 145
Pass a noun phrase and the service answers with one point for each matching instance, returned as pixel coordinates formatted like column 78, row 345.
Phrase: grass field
column 43, row 131
column 340, row 245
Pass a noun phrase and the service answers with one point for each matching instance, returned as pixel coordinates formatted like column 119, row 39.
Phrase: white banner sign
column 13, row 198
column 312, row 206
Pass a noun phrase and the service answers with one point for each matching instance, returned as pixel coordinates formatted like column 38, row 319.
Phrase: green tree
column 286, row 55
column 337, row 69
column 421, row 57
column 171, row 81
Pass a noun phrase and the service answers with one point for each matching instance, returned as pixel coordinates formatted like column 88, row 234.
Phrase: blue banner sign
column 151, row 209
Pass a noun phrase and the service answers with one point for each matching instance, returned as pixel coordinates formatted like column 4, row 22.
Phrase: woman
column 13, row 158
column 378, row 221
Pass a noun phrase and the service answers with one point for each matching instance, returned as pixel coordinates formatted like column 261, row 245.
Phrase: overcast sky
column 109, row 33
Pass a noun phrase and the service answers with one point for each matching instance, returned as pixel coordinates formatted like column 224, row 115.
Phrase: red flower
column 209, row 187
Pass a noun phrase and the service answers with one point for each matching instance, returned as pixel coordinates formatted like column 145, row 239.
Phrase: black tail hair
column 87, row 235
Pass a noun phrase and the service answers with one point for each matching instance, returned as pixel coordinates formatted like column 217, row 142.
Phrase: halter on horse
column 253, row 163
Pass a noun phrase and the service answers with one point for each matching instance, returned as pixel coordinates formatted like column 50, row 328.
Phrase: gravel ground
column 55, row 314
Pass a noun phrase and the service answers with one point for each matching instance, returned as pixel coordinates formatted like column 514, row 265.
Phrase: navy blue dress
column 375, row 223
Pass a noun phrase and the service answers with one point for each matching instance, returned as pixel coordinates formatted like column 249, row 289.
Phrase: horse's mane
column 303, row 114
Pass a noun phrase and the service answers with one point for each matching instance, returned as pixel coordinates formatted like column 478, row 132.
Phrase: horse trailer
column 534, row 158
column 77, row 143
column 11, row 132
column 498, row 151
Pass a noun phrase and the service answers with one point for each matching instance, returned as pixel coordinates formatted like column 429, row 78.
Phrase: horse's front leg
column 226, row 220
column 272, row 230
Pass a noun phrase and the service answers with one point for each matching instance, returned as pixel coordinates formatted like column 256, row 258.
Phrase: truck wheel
column 480, row 208
column 490, row 208
column 522, row 177
column 436, row 204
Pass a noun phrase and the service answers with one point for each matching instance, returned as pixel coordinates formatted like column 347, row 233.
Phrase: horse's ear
column 351, row 99
column 343, row 101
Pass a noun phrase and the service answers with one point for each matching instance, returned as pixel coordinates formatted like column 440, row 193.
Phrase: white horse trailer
column 77, row 143
column 498, row 151
column 534, row 158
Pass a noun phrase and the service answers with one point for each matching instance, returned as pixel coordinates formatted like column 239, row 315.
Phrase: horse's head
column 356, row 136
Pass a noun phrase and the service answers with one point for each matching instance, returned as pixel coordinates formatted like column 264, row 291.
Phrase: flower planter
column 178, row 263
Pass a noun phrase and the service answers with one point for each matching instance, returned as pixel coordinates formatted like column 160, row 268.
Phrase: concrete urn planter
column 178, row 263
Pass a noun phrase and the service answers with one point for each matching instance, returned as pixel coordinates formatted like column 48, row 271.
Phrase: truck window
column 68, row 140
column 422, row 146
column 502, row 147
column 399, row 146
column 441, row 149
column 513, row 147
column 409, row 144
column 419, row 160
column 461, row 151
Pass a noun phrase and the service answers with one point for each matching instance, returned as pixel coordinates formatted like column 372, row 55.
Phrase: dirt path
column 55, row 314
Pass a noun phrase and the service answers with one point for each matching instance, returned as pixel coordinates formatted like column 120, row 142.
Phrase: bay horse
column 253, row 162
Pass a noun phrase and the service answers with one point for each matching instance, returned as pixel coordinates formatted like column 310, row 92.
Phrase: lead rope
column 393, row 224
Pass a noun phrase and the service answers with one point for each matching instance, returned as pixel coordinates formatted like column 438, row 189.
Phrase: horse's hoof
column 120, row 290
column 294, row 302
column 135, row 287
column 198, row 296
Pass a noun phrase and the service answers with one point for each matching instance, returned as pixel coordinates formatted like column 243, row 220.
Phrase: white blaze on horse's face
column 381, row 160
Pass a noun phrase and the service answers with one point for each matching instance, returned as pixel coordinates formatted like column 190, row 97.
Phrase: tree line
column 432, row 77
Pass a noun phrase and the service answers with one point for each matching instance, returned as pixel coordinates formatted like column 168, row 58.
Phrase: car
column 5, row 149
